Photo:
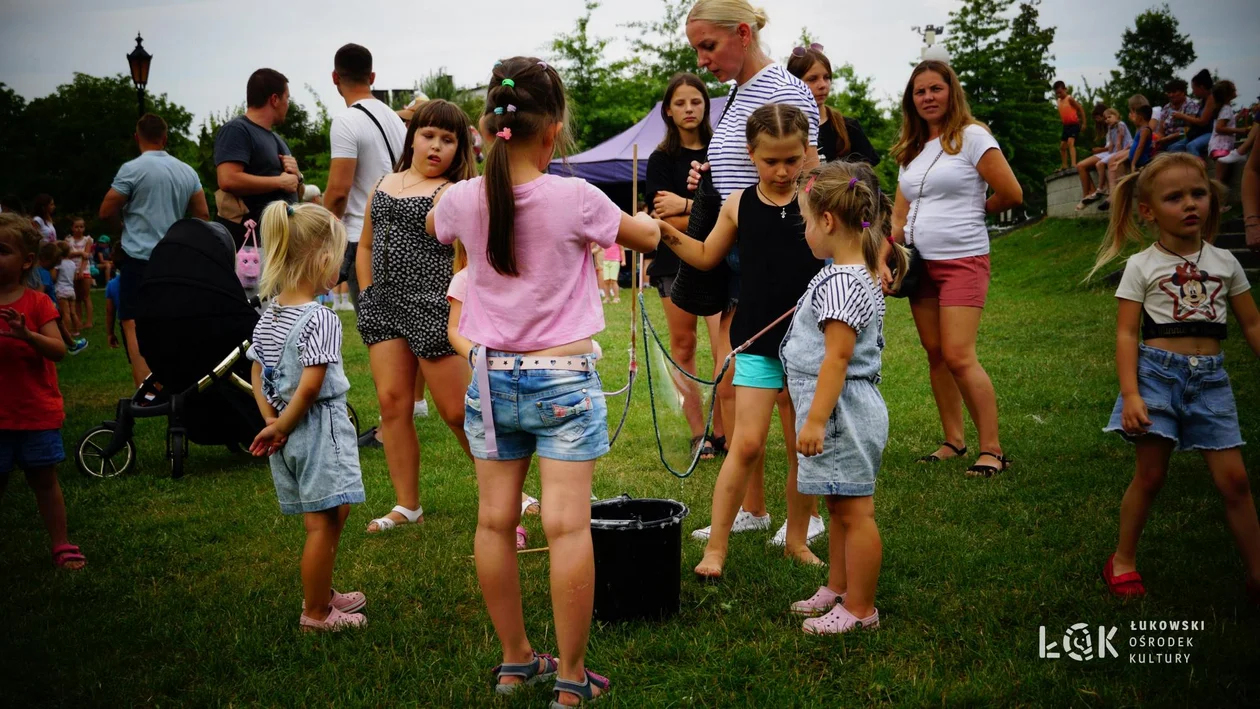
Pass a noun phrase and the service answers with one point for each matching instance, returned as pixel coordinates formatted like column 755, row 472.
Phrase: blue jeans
column 556, row 413
column 30, row 449
column 1196, row 147
column 1188, row 400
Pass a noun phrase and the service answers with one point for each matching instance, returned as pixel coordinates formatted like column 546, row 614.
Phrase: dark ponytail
column 526, row 97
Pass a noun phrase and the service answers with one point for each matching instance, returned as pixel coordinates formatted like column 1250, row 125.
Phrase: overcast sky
column 204, row 50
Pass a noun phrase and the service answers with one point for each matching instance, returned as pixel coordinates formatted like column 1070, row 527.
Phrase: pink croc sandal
column 521, row 536
column 821, row 602
column 63, row 554
column 336, row 621
column 346, row 602
column 839, row 620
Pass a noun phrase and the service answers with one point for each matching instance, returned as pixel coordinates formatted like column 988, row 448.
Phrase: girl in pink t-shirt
column 614, row 259
column 531, row 308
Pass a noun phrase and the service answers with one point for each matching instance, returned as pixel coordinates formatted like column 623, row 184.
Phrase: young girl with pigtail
column 831, row 357
column 300, row 387
column 1174, row 392
column 531, row 307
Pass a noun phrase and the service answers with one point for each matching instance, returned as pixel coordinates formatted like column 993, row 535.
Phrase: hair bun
column 761, row 17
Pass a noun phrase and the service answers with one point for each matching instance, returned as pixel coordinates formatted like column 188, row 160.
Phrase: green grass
column 192, row 593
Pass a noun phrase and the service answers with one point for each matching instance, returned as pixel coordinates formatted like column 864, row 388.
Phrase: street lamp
column 930, row 49
column 139, row 61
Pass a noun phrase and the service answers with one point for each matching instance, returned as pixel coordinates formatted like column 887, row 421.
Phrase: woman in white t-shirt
column 948, row 162
column 726, row 37
column 42, row 216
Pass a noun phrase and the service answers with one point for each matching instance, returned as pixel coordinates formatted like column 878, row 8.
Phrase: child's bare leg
column 1083, row 169
column 319, row 556
column 1230, row 476
column 1101, row 168
column 1072, row 150
column 1152, row 468
column 1063, row 155
column 615, row 288
column 52, row 506
column 799, row 507
column 864, row 551
column 566, row 518
column 837, row 571
column 499, row 485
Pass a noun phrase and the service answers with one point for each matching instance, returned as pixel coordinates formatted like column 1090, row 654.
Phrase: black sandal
column 934, row 458
column 706, row 448
column 719, row 445
column 988, row 471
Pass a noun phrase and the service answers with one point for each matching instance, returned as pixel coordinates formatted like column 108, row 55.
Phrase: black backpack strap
column 392, row 160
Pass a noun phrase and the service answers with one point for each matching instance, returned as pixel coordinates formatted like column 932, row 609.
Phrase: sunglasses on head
column 800, row 51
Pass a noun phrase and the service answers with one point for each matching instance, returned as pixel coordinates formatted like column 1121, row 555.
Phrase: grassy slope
column 192, row 593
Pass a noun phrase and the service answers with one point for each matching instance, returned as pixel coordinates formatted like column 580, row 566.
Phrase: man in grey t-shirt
column 252, row 163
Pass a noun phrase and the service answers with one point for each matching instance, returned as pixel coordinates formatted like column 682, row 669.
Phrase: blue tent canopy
column 611, row 162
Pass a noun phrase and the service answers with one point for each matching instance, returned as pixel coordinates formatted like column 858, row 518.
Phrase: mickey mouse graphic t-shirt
column 1176, row 290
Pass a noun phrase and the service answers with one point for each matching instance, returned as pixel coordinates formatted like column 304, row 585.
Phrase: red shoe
column 1125, row 585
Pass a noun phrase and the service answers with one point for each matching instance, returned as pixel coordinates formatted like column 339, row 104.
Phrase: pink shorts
column 959, row 282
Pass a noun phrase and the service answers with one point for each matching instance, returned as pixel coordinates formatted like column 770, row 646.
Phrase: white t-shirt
column 64, row 287
column 46, row 230
column 1172, row 290
column 728, row 150
column 1223, row 141
column 353, row 135
column 82, row 262
column 947, row 220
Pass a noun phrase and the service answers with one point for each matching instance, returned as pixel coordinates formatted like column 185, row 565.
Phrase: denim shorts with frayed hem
column 558, row 414
column 1188, row 400
column 30, row 449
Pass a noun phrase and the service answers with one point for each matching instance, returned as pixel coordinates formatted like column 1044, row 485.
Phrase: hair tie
column 866, row 225
column 505, row 134
column 511, row 108
column 508, row 82
column 499, row 63
column 544, row 65
column 853, row 182
column 289, row 208
column 810, row 183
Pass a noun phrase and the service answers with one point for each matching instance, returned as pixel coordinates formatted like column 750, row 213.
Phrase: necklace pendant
column 783, row 213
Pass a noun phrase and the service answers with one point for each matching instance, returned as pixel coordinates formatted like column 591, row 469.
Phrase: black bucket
column 638, row 557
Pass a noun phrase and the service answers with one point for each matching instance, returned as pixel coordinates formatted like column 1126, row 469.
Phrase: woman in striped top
column 725, row 35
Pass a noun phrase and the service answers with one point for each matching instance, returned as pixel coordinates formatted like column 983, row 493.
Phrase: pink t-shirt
column 555, row 299
column 458, row 290
column 613, row 253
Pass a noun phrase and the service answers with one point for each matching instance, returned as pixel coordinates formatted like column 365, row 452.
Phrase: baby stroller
column 193, row 327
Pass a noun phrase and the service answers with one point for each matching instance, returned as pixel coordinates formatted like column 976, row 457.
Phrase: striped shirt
column 319, row 343
column 728, row 151
column 848, row 298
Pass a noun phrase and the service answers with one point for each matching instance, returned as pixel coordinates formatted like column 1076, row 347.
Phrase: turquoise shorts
column 758, row 372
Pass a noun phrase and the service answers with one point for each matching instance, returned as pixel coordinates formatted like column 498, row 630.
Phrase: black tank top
column 776, row 266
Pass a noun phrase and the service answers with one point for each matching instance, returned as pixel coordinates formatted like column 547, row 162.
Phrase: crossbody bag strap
column 392, row 160
column 918, row 200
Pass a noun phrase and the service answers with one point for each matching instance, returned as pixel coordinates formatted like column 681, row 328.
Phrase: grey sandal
column 585, row 692
column 542, row 668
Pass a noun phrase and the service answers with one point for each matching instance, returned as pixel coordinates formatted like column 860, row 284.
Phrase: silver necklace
column 782, row 207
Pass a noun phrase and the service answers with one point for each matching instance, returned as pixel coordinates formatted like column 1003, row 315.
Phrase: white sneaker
column 816, row 530
column 744, row 522
column 421, row 409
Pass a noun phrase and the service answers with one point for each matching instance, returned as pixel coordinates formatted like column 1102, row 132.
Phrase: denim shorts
column 853, row 442
column 555, row 413
column 30, row 449
column 1188, row 400
column 758, row 372
column 318, row 467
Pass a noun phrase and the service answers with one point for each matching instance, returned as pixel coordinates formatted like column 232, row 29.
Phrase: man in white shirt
column 367, row 140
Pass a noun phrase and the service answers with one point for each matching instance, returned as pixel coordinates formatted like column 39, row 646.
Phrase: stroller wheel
column 89, row 454
column 177, row 451
column 354, row 418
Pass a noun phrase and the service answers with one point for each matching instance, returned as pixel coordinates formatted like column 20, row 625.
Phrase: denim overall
column 857, row 429
column 318, row 467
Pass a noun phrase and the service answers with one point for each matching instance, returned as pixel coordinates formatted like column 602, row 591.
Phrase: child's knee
column 1234, row 485
column 748, row 448
column 43, row 479
column 559, row 523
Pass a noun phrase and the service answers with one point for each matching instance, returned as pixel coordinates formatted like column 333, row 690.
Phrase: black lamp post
column 139, row 61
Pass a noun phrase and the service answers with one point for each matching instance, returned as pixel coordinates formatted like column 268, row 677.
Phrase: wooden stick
column 520, row 551
column 636, row 257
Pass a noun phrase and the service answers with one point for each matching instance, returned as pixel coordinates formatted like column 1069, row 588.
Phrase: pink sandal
column 346, row 602
column 839, row 620
column 821, row 602
column 63, row 554
column 336, row 620
column 521, row 535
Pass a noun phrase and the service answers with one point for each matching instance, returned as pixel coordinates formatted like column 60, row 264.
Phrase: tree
column 1151, row 53
column 662, row 48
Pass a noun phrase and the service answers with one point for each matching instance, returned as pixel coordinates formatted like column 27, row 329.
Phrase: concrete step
column 1231, row 240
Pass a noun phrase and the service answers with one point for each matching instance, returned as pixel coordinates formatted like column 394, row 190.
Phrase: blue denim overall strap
column 487, row 401
column 283, row 379
column 804, row 346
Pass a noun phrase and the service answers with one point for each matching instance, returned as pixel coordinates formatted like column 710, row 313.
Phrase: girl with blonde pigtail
column 1174, row 392
column 300, row 387
column 831, row 359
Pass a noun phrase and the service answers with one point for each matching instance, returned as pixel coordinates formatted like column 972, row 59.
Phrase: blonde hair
column 915, row 129
column 19, row 230
column 460, row 262
column 1137, row 101
column 1123, row 227
column 776, row 120
column 849, row 191
column 729, row 15
column 300, row 243
column 1112, row 112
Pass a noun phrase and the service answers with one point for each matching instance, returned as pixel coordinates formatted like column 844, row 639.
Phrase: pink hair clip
column 810, row 183
column 505, row 134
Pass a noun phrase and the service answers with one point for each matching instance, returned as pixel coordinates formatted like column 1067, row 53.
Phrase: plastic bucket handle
column 680, row 512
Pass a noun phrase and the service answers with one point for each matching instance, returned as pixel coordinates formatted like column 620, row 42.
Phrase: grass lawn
column 192, row 594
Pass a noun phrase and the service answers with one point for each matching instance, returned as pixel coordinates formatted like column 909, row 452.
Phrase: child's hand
column 809, row 442
column 113, row 341
column 885, row 278
column 17, row 324
column 1133, row 415
column 693, row 176
column 269, row 440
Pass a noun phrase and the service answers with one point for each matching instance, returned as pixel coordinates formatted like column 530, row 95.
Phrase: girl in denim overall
column 831, row 357
column 531, row 308
column 300, row 387
column 1174, row 392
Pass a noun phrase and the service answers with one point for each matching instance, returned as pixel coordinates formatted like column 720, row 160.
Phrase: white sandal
column 530, row 506
column 384, row 524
